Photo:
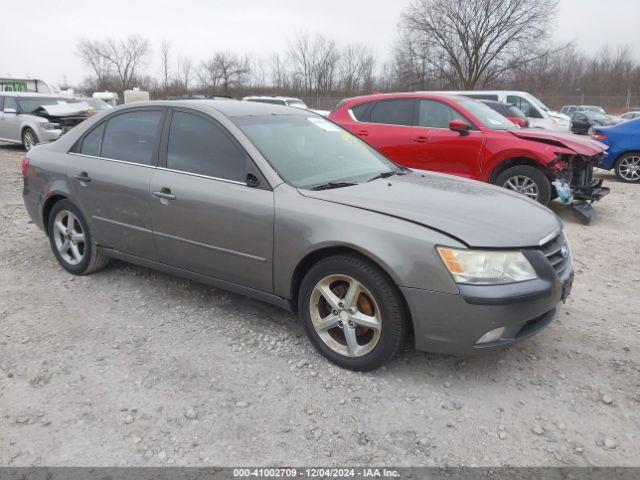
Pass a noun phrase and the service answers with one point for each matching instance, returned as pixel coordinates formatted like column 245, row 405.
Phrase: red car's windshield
column 488, row 117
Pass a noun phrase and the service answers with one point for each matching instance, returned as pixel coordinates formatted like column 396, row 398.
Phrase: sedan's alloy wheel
column 345, row 315
column 522, row 184
column 629, row 168
column 29, row 140
column 69, row 237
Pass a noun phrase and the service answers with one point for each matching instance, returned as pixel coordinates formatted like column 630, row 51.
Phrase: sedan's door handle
column 165, row 194
column 83, row 177
column 362, row 133
column 421, row 139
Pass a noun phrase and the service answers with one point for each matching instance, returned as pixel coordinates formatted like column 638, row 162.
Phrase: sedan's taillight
column 25, row 165
column 598, row 135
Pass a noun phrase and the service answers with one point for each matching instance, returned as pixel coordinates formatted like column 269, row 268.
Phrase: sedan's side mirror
column 10, row 110
column 252, row 181
column 521, row 122
column 459, row 126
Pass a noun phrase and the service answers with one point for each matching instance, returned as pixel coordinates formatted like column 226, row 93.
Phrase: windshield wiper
column 330, row 185
column 385, row 175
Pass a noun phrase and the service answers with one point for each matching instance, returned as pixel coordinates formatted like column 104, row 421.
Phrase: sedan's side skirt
column 198, row 277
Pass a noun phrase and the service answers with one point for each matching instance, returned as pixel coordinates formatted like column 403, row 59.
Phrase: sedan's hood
column 65, row 109
column 582, row 146
column 478, row 214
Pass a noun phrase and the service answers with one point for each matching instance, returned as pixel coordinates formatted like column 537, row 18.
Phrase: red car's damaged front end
column 573, row 163
column 461, row 136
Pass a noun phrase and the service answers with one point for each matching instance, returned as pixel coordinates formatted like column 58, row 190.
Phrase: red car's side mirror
column 459, row 126
column 521, row 122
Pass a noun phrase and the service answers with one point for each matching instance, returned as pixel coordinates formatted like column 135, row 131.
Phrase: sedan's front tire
column 70, row 240
column 29, row 139
column 528, row 181
column 352, row 312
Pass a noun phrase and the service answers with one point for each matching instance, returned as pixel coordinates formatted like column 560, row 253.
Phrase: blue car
column 623, row 155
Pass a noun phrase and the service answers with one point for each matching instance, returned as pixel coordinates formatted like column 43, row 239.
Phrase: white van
column 539, row 115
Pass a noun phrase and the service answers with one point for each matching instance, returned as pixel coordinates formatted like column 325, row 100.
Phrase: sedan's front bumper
column 454, row 324
column 45, row 135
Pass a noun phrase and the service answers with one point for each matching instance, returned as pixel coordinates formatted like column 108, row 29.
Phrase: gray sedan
column 285, row 206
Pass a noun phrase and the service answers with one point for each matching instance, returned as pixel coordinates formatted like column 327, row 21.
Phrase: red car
column 461, row 136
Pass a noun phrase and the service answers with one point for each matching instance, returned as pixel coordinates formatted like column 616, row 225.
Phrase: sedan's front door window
column 198, row 145
column 132, row 136
column 10, row 102
column 434, row 114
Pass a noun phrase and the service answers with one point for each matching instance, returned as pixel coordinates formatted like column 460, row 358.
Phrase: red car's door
column 390, row 127
column 447, row 151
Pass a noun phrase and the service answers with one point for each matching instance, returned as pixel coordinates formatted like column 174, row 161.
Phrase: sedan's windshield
column 308, row 152
column 487, row 116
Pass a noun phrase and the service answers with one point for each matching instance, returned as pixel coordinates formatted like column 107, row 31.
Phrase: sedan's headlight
column 49, row 125
column 487, row 267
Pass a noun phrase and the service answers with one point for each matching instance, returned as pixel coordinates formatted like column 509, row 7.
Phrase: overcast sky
column 37, row 38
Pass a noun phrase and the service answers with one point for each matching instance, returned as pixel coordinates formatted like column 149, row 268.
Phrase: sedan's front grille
column 557, row 252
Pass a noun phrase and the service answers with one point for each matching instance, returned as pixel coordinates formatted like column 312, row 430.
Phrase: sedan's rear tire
column 71, row 242
column 627, row 168
column 29, row 139
column 352, row 312
column 528, row 181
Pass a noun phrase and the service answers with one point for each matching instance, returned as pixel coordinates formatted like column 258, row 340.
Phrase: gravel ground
column 134, row 367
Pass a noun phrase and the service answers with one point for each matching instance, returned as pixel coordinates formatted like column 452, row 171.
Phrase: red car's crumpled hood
column 582, row 146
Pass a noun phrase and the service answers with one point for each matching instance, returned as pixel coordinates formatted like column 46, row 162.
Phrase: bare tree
column 279, row 72
column 90, row 54
column 314, row 63
column 164, row 65
column 123, row 58
column 474, row 42
column 356, row 69
column 185, row 69
column 224, row 71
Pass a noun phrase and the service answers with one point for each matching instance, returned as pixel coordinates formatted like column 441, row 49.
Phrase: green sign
column 13, row 86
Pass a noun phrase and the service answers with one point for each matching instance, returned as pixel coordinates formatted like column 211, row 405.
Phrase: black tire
column 540, row 180
column 29, row 139
column 91, row 260
column 386, row 296
column 621, row 175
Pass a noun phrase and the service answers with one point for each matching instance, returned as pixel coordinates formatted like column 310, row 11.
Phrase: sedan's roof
column 34, row 94
column 229, row 108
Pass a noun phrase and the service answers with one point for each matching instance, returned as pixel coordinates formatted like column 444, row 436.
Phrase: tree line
column 441, row 44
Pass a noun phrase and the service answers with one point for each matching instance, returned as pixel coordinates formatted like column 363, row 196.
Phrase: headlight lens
column 49, row 125
column 487, row 267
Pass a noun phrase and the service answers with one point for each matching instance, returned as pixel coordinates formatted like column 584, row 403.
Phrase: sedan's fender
column 404, row 250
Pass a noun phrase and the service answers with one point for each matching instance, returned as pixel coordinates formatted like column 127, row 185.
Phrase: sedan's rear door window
column 132, row 136
column 201, row 146
column 93, row 141
column 394, row 112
